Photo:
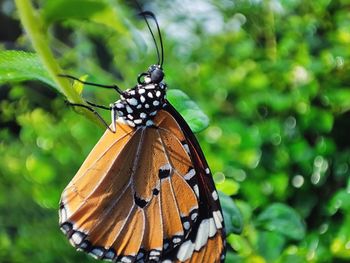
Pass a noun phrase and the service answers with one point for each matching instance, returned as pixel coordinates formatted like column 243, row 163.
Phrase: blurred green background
column 271, row 75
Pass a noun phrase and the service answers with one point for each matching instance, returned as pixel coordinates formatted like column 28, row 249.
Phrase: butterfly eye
column 157, row 75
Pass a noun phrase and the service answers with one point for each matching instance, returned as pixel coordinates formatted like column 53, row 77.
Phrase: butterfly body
column 138, row 106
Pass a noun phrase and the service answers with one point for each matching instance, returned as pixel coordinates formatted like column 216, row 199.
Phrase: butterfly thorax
column 139, row 105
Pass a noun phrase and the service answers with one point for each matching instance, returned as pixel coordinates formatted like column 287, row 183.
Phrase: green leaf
column 78, row 9
column 282, row 219
column 16, row 66
column 341, row 200
column 194, row 116
column 270, row 245
column 232, row 215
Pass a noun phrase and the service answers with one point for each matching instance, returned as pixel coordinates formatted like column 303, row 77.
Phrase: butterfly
column 145, row 192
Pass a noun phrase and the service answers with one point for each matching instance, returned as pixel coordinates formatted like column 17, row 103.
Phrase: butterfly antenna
column 150, row 14
column 146, row 14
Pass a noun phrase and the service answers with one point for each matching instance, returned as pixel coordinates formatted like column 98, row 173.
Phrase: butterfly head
column 153, row 75
column 156, row 73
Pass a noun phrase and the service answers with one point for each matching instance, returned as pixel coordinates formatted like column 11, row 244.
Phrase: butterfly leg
column 93, row 84
column 98, row 106
column 111, row 108
column 96, row 113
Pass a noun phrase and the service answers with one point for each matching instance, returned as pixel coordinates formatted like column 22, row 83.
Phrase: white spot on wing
column 125, row 260
column 207, row 171
column 187, row 149
column 96, row 253
column 142, row 99
column 63, row 215
column 220, row 216
column 187, row 225
column 154, row 253
column 196, row 190
column 185, row 250
column 156, row 103
column 218, row 219
column 202, row 235
column 165, row 167
column 77, row 238
column 176, row 240
column 194, row 216
column 212, row 227
column 215, row 195
column 190, row 174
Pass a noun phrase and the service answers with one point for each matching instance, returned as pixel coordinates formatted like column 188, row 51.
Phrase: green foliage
column 283, row 220
column 193, row 115
column 16, row 66
column 271, row 76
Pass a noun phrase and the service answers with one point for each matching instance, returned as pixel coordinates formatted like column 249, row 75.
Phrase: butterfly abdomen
column 138, row 106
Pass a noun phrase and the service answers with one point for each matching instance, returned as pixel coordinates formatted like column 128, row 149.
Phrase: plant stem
column 34, row 27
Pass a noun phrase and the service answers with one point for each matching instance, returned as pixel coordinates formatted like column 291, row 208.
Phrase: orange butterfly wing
column 132, row 201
